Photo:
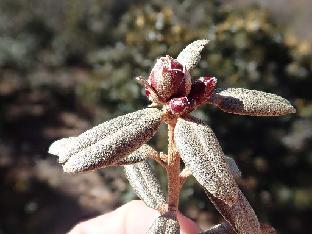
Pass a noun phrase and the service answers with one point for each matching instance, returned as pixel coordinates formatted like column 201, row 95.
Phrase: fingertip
column 133, row 217
column 187, row 226
column 139, row 217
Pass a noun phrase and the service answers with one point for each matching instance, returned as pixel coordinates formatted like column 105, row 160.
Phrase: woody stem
column 173, row 170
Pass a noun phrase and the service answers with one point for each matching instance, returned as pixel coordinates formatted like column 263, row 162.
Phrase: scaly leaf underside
column 250, row 102
column 119, row 143
column 190, row 55
column 240, row 215
column 66, row 147
column 202, row 154
column 146, row 185
column 139, row 155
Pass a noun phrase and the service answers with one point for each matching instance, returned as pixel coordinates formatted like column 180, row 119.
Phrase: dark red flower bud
column 201, row 90
column 179, row 105
column 169, row 79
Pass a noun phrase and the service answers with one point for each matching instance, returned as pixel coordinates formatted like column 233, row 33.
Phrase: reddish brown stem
column 153, row 154
column 173, row 170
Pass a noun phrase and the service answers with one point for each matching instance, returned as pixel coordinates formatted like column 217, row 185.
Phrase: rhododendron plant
column 174, row 94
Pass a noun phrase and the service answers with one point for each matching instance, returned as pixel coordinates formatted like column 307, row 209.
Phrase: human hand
column 133, row 217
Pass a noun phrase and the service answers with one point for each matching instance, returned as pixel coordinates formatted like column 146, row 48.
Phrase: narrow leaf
column 250, row 102
column 116, row 145
column 190, row 55
column 60, row 146
column 165, row 224
column 202, row 154
column 240, row 215
column 146, row 185
column 66, row 147
column 139, row 155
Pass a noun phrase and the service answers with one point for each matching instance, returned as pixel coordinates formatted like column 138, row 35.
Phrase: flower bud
column 179, row 105
column 168, row 79
column 201, row 90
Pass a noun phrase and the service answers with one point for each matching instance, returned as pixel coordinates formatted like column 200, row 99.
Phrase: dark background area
column 68, row 65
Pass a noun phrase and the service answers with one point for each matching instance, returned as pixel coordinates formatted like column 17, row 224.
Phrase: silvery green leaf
column 116, row 145
column 165, row 224
column 240, row 215
column 66, row 147
column 233, row 167
column 222, row 228
column 145, row 183
column 139, row 155
column 190, row 55
column 202, row 154
column 250, row 102
column 60, row 146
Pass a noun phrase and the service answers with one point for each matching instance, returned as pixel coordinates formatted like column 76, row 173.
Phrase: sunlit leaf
column 120, row 139
column 66, row 147
column 202, row 154
column 139, row 155
column 190, row 55
column 250, row 102
column 240, row 215
column 146, row 185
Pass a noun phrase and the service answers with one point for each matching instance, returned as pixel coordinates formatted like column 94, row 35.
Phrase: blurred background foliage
column 67, row 65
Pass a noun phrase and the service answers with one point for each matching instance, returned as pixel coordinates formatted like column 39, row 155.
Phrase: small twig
column 153, row 154
column 173, row 170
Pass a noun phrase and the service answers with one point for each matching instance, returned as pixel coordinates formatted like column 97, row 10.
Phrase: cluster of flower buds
column 170, row 83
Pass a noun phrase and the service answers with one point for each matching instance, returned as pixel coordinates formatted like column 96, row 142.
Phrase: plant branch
column 153, row 154
column 173, row 170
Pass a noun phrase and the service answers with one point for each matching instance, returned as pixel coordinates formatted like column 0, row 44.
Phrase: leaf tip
column 72, row 167
column 292, row 110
